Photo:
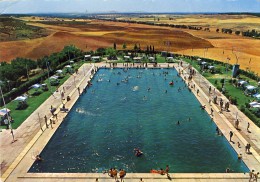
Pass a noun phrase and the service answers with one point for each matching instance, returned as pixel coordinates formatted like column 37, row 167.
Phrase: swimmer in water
column 166, row 91
column 203, row 107
column 138, row 152
column 38, row 158
column 178, row 123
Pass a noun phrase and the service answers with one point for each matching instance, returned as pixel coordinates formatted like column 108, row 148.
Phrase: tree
column 7, row 73
column 124, row 46
column 42, row 62
column 237, row 32
column 71, row 51
column 22, row 66
column 111, row 53
column 101, row 51
column 135, row 47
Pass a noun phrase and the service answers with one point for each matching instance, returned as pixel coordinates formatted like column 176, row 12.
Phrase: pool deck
column 16, row 158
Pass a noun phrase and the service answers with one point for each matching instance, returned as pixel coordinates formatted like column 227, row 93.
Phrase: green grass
column 19, row 116
column 231, row 90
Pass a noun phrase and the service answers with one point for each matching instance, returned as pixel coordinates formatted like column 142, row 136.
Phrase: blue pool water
column 116, row 115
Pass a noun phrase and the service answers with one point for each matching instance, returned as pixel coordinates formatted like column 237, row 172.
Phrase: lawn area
column 236, row 93
column 19, row 116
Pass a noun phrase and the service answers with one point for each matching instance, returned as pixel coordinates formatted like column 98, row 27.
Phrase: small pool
column 123, row 110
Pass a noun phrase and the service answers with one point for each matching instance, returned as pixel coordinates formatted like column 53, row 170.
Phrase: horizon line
column 133, row 12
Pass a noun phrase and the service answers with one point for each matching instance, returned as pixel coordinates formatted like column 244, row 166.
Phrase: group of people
column 113, row 173
column 253, row 176
column 161, row 171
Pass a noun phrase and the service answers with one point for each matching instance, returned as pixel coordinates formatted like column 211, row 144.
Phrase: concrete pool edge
column 138, row 175
column 51, row 132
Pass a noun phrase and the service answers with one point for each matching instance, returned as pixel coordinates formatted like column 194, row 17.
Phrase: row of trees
column 13, row 74
column 137, row 47
column 249, row 33
column 158, row 24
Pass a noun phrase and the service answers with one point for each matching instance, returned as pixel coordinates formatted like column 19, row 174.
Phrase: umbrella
column 198, row 59
column 21, row 98
column 3, row 111
column 59, row 71
column 68, row 66
column 241, row 82
column 250, row 87
column 256, row 106
column 54, row 77
column 253, row 104
column 37, row 85
column 71, row 61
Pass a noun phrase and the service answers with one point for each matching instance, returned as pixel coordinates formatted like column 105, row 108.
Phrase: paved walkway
column 31, row 140
column 31, row 126
column 225, row 120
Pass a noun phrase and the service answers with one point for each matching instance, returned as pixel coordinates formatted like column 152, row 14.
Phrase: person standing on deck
column 230, row 136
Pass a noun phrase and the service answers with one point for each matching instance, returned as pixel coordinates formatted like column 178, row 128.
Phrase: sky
column 99, row 6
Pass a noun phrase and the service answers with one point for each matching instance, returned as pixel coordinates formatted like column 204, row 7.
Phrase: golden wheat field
column 96, row 33
column 234, row 22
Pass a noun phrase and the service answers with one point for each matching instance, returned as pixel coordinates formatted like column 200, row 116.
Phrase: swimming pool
column 123, row 110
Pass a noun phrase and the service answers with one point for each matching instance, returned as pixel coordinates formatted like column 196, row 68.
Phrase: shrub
column 247, row 105
column 234, row 101
column 21, row 105
column 242, row 108
column 219, row 88
column 37, row 92
column 253, row 117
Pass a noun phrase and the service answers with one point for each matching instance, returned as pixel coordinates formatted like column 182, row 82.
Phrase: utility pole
column 49, row 76
column 27, row 72
column 9, row 85
column 8, row 117
column 249, row 65
column 40, row 122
